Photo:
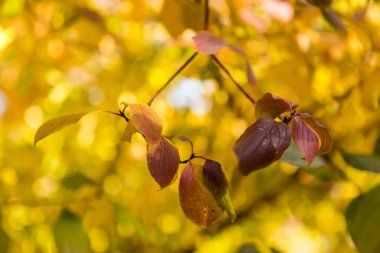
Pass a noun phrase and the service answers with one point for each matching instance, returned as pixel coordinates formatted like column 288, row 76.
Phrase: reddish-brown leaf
column 207, row 43
column 197, row 203
column 146, row 121
column 261, row 144
column 163, row 161
column 216, row 182
column 305, row 138
column 272, row 106
column 325, row 141
column 214, row 178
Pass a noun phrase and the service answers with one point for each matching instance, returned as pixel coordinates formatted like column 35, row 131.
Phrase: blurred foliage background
column 81, row 190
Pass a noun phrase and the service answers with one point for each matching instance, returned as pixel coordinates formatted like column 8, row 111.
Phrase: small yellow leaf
column 56, row 124
column 128, row 132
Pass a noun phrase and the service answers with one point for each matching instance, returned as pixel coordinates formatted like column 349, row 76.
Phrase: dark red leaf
column 146, row 121
column 305, row 138
column 261, row 144
column 163, row 161
column 207, row 43
column 197, row 203
column 325, row 141
column 216, row 182
column 272, row 106
column 214, row 178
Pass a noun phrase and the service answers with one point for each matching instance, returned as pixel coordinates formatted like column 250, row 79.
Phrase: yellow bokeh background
column 82, row 190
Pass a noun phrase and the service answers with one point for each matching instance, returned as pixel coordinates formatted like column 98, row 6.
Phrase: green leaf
column 363, row 221
column 75, row 181
column 363, row 162
column 56, row 124
column 70, row 236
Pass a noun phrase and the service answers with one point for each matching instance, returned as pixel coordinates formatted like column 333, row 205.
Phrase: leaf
column 128, row 132
column 363, row 162
column 69, row 234
column 56, row 124
column 321, row 131
column 272, row 106
column 294, row 157
column 206, row 43
column 216, row 182
column 197, row 203
column 261, row 144
column 163, row 162
column 377, row 147
column 363, row 221
column 305, row 138
column 146, row 121
column 77, row 180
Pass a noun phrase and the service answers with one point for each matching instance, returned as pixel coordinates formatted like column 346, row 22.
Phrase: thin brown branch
column 216, row 60
column 172, row 77
column 207, row 14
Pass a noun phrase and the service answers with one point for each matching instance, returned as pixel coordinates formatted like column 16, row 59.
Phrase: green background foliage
column 82, row 190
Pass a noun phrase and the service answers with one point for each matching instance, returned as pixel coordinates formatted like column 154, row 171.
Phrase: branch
column 215, row 59
column 172, row 77
column 207, row 14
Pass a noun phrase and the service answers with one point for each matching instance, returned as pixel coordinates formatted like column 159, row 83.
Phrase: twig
column 232, row 79
column 172, row 77
column 207, row 14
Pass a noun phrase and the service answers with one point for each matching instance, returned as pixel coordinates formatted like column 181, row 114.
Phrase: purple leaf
column 163, row 162
column 261, row 144
column 197, row 203
column 207, row 43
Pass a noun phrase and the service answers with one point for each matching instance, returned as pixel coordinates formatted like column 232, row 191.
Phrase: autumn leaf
column 216, row 182
column 163, row 162
column 128, row 132
column 272, row 106
column 207, row 43
column 56, row 124
column 325, row 141
column 261, row 144
column 146, row 121
column 305, row 138
column 197, row 203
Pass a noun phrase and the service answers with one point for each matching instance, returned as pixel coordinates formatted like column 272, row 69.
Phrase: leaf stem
column 216, row 60
column 189, row 159
column 172, row 77
column 207, row 14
